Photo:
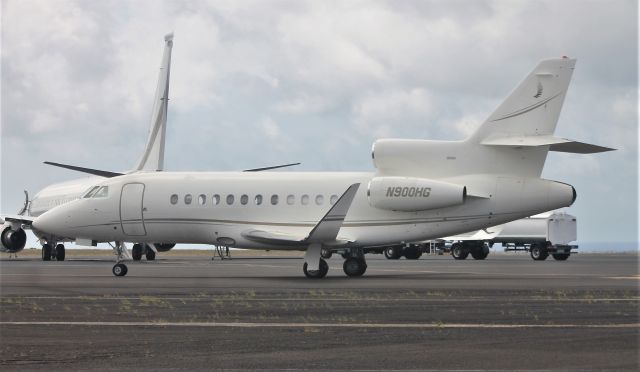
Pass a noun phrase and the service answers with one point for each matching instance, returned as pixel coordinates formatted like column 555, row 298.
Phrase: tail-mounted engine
column 410, row 194
column 13, row 239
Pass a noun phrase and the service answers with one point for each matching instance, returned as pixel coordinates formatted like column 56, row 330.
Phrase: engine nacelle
column 13, row 239
column 409, row 194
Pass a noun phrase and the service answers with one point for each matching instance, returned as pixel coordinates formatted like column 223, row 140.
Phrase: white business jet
column 420, row 190
column 13, row 237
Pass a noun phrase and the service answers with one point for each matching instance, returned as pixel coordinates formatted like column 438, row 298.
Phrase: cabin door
column 131, row 217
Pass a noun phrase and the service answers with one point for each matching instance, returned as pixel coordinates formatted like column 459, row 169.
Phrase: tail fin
column 533, row 108
column 153, row 156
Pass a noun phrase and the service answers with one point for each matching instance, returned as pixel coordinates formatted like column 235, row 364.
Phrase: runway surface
column 505, row 313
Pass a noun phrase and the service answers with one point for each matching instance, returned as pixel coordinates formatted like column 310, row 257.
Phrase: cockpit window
column 102, row 192
column 91, row 192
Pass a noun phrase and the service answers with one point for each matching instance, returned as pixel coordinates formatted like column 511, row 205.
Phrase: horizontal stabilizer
column 555, row 144
column 95, row 172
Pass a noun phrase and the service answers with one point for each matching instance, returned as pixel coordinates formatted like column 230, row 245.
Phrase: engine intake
column 409, row 194
column 13, row 240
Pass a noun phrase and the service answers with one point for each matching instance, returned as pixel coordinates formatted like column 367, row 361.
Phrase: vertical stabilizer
column 533, row 108
column 153, row 157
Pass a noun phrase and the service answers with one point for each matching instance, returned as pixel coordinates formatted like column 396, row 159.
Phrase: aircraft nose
column 51, row 222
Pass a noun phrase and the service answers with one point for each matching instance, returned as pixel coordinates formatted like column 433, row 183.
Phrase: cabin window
column 91, row 191
column 291, row 199
column 258, row 199
column 274, row 199
column 187, row 199
column 304, row 200
column 174, row 199
column 230, row 199
column 334, row 199
column 102, row 192
column 216, row 199
column 244, row 199
column 319, row 199
column 202, row 199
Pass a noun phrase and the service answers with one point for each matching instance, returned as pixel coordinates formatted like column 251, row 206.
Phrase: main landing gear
column 139, row 249
column 478, row 250
column 49, row 252
column 354, row 264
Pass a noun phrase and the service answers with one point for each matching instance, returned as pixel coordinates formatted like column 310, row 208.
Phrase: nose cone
column 51, row 222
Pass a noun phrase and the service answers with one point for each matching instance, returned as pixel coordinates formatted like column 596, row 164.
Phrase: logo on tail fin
column 539, row 92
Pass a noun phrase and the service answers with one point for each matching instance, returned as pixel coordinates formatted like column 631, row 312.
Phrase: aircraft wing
column 25, row 221
column 325, row 232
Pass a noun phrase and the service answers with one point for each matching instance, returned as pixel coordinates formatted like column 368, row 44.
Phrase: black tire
column 136, row 252
column 458, row 252
column 393, row 253
column 412, row 253
column 46, row 252
column 538, row 252
column 354, row 267
column 480, row 253
column 150, row 254
column 119, row 269
column 326, row 253
column 322, row 271
column 60, row 252
column 561, row 256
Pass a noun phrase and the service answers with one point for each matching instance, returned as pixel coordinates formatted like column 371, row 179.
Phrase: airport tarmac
column 189, row 312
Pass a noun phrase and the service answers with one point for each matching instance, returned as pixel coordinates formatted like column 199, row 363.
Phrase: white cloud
column 382, row 111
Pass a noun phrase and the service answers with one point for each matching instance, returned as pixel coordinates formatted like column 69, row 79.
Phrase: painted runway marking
column 322, row 299
column 634, row 277
column 321, row 325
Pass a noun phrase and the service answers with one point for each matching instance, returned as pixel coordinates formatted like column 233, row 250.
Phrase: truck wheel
column 561, row 256
column 458, row 252
column 412, row 253
column 480, row 253
column 392, row 253
column 538, row 252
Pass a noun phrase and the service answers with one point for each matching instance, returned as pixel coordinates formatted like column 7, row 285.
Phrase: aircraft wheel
column 150, row 254
column 354, row 266
column 46, row 252
column 326, row 253
column 458, row 252
column 561, row 256
column 119, row 269
column 322, row 271
column 136, row 252
column 60, row 252
column 392, row 253
column 538, row 252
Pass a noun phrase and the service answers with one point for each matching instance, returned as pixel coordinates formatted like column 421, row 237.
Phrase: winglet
column 327, row 229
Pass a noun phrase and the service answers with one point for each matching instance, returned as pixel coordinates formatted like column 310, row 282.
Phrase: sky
column 257, row 83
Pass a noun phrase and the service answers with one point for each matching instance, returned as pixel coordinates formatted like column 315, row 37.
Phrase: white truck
column 541, row 235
